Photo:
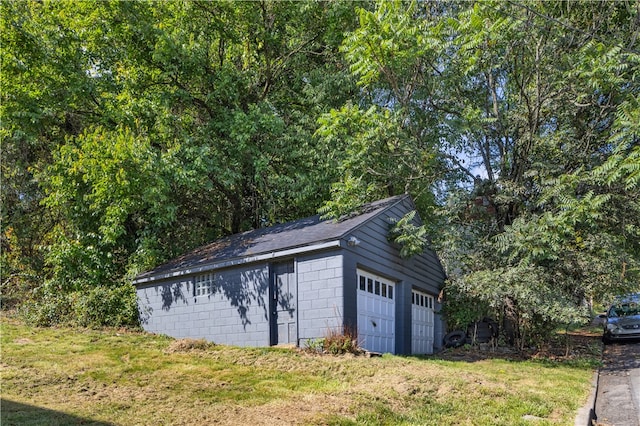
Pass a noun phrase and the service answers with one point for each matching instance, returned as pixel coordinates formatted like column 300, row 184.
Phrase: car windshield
column 624, row 309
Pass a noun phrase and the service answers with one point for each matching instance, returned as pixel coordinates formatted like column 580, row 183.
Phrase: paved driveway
column 618, row 399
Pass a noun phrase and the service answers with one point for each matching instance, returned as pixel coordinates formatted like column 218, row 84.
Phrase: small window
column 203, row 285
column 376, row 285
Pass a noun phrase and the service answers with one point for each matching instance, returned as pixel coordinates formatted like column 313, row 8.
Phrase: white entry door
column 422, row 329
column 376, row 313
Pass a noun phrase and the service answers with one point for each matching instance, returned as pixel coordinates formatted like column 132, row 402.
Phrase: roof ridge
column 368, row 207
column 382, row 205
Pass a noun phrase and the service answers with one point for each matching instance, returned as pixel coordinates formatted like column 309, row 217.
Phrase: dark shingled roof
column 300, row 233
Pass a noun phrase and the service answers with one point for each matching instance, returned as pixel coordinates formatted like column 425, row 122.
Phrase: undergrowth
column 336, row 341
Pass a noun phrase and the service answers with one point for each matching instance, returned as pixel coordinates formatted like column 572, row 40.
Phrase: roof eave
column 226, row 263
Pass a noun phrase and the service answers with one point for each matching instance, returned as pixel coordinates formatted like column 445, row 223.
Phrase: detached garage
column 293, row 282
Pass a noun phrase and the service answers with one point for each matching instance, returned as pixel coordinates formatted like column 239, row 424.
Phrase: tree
column 389, row 139
column 159, row 127
column 528, row 111
column 133, row 131
column 47, row 95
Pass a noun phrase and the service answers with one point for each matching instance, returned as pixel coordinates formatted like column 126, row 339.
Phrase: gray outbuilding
column 300, row 280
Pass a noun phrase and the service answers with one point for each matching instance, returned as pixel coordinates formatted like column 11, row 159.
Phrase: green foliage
column 132, row 132
column 314, row 345
column 348, row 196
column 98, row 306
column 47, row 308
column 135, row 131
column 109, row 306
column 538, row 115
column 411, row 237
column 111, row 187
column 462, row 307
column 46, row 95
column 18, row 277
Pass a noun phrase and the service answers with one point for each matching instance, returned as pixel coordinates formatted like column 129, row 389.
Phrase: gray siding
column 422, row 271
column 235, row 314
column 376, row 254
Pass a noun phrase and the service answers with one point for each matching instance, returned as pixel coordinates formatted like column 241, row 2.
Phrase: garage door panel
column 376, row 313
column 422, row 326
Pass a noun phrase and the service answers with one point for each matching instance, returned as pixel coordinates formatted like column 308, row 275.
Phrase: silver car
column 623, row 320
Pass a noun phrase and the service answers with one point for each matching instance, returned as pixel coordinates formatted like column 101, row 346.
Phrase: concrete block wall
column 236, row 313
column 320, row 295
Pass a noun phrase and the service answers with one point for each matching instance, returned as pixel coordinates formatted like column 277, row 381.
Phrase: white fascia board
column 241, row 261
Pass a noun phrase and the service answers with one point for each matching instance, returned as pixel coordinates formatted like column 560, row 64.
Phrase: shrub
column 113, row 306
column 46, row 308
column 106, row 306
column 341, row 341
column 314, row 345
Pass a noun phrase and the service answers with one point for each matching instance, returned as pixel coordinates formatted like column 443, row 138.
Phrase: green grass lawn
column 62, row 376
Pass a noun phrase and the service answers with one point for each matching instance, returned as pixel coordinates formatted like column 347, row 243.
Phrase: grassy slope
column 70, row 376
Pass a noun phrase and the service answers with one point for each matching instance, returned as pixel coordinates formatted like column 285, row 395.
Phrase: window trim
column 203, row 284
